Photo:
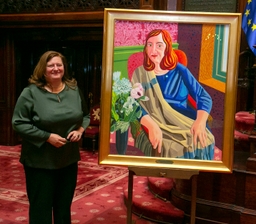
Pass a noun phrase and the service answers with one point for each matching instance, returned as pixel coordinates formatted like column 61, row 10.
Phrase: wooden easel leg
column 193, row 200
column 129, row 203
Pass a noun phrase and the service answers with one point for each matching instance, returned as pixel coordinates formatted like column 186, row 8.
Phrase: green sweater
column 37, row 114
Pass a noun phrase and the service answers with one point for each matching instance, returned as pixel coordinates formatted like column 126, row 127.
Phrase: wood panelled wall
column 24, row 37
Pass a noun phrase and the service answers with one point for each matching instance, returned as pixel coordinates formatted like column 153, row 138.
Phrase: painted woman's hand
column 198, row 129
column 155, row 133
column 156, row 138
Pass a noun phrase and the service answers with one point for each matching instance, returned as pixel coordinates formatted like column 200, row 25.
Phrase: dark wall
column 20, row 50
column 84, row 62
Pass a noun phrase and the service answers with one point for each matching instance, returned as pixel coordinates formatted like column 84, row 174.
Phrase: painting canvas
column 169, row 89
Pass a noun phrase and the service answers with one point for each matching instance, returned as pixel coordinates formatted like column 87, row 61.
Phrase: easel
column 162, row 172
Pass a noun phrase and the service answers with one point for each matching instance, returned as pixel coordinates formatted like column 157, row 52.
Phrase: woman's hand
column 155, row 133
column 75, row 136
column 56, row 140
column 198, row 129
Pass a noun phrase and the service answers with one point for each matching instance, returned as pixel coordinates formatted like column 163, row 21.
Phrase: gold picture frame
column 217, row 68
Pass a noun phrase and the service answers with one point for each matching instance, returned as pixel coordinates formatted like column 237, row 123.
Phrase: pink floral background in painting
column 131, row 33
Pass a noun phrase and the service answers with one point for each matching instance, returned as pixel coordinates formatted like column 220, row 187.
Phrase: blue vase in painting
column 121, row 142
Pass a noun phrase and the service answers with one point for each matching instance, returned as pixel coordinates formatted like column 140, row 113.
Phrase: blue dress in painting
column 177, row 85
column 169, row 106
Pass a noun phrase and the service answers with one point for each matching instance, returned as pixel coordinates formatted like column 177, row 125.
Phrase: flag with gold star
column 249, row 24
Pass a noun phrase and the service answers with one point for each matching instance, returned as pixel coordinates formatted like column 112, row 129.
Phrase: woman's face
column 156, row 48
column 54, row 70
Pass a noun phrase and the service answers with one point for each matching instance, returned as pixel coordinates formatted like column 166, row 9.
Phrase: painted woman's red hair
column 169, row 60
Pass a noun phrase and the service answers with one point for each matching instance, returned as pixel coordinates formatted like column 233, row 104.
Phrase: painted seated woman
column 172, row 127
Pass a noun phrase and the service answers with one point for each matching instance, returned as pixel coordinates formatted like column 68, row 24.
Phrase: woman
column 174, row 129
column 50, row 115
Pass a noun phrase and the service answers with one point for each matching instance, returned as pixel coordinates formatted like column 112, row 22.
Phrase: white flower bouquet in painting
column 125, row 109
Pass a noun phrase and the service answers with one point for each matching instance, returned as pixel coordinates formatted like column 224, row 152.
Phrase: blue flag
column 249, row 24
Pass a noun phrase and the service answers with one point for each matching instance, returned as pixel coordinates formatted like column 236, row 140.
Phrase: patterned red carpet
column 98, row 196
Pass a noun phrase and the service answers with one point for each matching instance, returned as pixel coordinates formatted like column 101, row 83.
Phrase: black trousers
column 50, row 194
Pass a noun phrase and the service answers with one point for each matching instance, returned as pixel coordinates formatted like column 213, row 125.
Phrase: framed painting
column 169, row 89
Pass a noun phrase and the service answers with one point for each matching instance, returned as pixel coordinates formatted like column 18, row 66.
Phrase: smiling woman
column 50, row 115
